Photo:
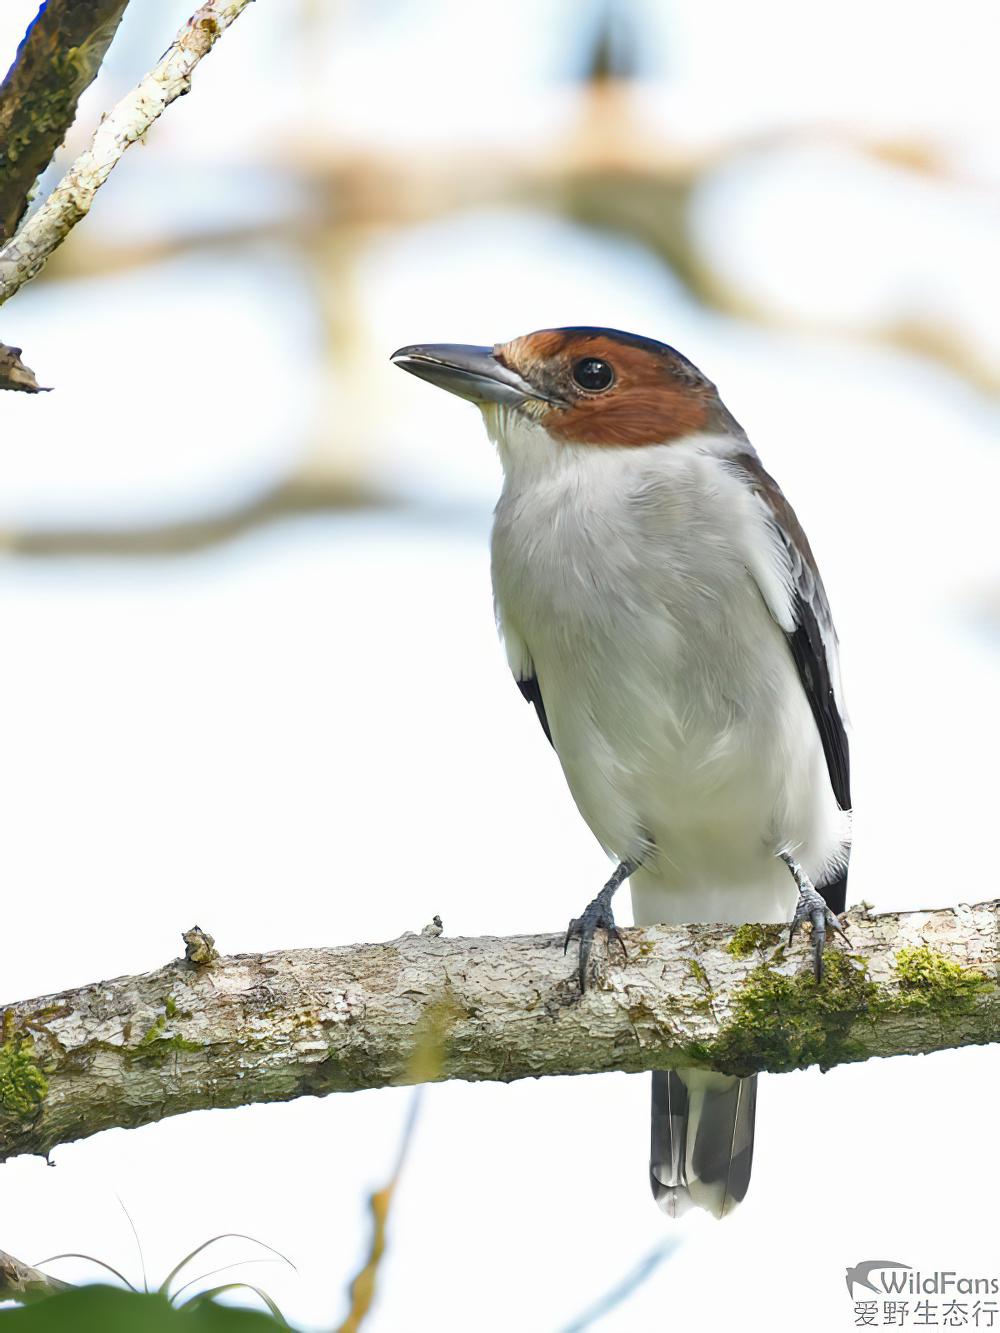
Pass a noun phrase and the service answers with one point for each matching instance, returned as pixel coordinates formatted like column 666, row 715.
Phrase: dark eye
column 592, row 374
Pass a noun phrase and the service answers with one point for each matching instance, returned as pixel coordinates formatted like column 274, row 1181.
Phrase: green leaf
column 223, row 1235
column 100, row 1309
column 210, row 1295
column 99, row 1263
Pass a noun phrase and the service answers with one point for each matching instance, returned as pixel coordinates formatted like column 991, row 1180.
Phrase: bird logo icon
column 861, row 1273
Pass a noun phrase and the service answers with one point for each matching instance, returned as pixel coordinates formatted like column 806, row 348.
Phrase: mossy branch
column 210, row 1031
column 56, row 62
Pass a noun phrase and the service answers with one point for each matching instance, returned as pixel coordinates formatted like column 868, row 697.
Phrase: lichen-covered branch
column 259, row 1028
column 58, row 59
column 25, row 253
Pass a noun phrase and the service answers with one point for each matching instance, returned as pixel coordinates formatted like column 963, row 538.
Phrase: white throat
column 531, row 457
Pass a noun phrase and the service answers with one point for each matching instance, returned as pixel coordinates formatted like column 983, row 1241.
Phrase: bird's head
column 581, row 386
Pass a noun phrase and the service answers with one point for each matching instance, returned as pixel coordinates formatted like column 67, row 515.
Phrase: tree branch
column 14, row 374
column 58, row 59
column 21, row 1282
column 23, row 255
column 260, row 1028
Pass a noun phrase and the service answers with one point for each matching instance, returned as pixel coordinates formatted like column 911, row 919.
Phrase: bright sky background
column 284, row 739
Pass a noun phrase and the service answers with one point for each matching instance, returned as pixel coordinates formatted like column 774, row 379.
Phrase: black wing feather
column 811, row 663
column 530, row 689
column 809, row 655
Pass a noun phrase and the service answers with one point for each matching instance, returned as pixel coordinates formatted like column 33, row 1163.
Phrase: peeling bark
column 259, row 1028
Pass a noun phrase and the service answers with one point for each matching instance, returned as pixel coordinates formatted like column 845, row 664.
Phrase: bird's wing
column 810, row 633
column 531, row 691
column 522, row 668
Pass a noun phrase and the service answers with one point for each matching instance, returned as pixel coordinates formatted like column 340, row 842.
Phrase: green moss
column 782, row 1023
column 699, row 973
column 157, row 1043
column 789, row 1022
column 23, row 1086
column 154, row 1032
column 751, row 937
column 928, row 980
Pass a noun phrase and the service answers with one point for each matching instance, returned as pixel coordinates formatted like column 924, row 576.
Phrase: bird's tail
column 701, row 1149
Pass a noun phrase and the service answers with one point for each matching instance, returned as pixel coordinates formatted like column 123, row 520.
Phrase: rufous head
column 585, row 386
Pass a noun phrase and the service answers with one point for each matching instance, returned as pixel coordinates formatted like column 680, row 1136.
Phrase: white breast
column 633, row 583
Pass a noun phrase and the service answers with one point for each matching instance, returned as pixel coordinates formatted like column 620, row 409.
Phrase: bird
column 662, row 611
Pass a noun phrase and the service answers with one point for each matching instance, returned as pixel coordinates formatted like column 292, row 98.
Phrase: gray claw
column 812, row 907
column 596, row 916
column 599, row 916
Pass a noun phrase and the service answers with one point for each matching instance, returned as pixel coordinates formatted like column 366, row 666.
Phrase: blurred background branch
column 361, row 1292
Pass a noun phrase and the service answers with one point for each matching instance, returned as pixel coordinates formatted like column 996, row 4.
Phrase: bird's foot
column 596, row 916
column 812, row 907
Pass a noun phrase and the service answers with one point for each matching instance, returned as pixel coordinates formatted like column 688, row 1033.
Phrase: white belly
column 674, row 704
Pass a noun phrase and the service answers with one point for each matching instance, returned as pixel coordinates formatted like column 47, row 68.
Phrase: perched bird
column 662, row 611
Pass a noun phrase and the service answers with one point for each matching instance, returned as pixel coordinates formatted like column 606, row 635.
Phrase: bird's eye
column 592, row 374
